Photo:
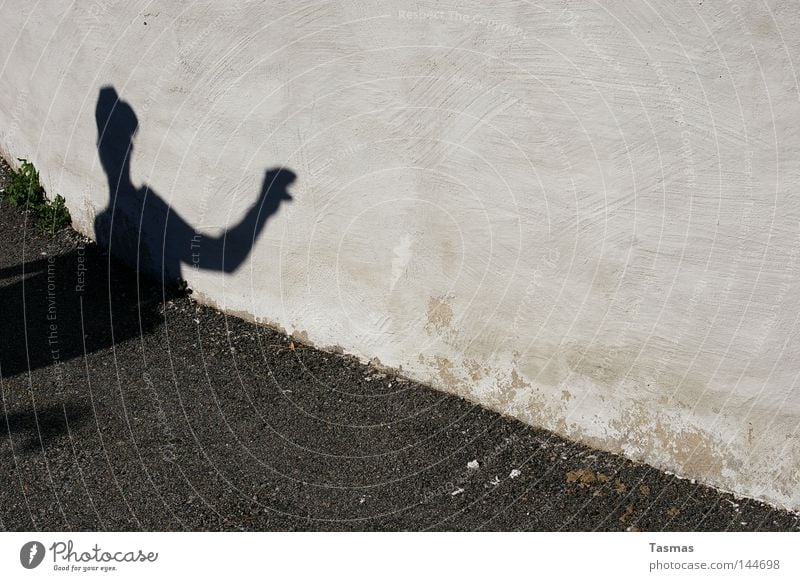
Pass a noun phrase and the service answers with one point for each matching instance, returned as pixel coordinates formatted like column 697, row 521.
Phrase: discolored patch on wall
column 440, row 315
column 302, row 337
column 475, row 370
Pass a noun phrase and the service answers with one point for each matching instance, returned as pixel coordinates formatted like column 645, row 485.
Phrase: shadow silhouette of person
column 140, row 228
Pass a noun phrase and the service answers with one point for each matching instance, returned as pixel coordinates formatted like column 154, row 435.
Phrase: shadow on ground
column 41, row 425
column 65, row 304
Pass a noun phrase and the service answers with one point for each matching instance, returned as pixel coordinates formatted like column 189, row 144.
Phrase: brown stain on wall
column 695, row 451
column 475, row 370
column 302, row 337
column 446, row 372
column 440, row 315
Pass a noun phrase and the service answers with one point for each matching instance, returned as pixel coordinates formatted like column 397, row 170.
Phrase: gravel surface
column 125, row 409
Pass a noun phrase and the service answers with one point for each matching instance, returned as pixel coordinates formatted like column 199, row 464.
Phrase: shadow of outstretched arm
column 227, row 252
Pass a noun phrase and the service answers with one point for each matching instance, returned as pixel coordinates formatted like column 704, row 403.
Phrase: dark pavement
column 125, row 411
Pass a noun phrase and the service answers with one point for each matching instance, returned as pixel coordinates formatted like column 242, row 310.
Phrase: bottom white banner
column 502, row 556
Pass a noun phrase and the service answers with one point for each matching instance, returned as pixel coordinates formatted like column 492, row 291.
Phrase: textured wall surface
column 581, row 214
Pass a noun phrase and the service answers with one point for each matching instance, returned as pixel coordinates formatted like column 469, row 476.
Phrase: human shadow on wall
column 97, row 296
column 140, row 228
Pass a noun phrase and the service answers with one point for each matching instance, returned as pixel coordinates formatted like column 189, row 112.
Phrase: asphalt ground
column 127, row 408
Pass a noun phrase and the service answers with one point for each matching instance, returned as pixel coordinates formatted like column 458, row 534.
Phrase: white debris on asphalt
column 494, row 481
column 457, row 491
column 515, row 473
column 473, row 465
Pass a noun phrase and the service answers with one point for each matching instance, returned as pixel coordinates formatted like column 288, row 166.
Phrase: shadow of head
column 42, row 426
column 116, row 127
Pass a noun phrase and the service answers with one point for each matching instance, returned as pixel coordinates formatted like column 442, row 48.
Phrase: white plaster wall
column 581, row 214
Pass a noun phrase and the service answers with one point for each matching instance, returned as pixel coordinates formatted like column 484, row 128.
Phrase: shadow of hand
column 274, row 190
